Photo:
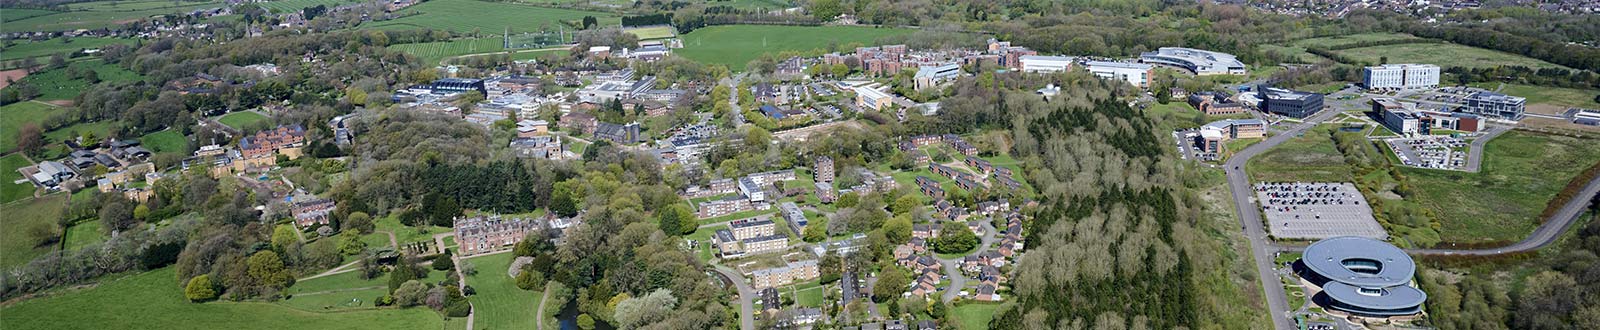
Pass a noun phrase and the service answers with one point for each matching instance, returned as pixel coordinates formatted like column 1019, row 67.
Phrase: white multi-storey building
column 1134, row 73
column 1036, row 63
column 1400, row 76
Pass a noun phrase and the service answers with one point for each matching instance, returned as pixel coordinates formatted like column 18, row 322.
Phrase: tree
column 141, row 212
column 117, row 215
column 891, row 283
column 955, row 238
column 410, row 293
column 840, row 70
column 585, row 321
column 639, row 311
column 590, row 21
column 267, row 269
column 898, row 229
column 200, row 289
column 530, row 279
column 350, row 243
column 282, row 237
column 30, row 138
column 826, row 9
column 359, row 222
column 676, row 219
column 443, row 262
column 905, row 204
column 562, row 201
column 847, row 200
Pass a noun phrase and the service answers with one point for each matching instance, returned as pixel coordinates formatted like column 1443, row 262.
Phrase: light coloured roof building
column 1362, row 276
column 1134, row 73
column 1037, row 63
column 1400, row 76
column 869, row 98
column 1199, row 62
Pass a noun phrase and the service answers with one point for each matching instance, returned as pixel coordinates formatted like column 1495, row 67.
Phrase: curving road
column 952, row 266
column 1264, row 249
column 747, row 320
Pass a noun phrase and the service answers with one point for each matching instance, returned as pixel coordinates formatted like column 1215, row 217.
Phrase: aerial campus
column 799, row 164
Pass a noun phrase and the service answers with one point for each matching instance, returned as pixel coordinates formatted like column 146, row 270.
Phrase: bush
column 443, row 262
column 385, row 300
column 161, row 254
column 459, row 308
column 200, row 289
column 530, row 280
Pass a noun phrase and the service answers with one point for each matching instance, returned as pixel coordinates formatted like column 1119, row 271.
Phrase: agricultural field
column 9, row 190
column 22, row 220
column 24, row 48
column 500, row 304
column 1521, row 173
column 736, row 45
column 653, row 32
column 240, row 119
column 433, row 52
column 154, row 300
column 13, row 116
column 287, row 6
column 1444, row 55
column 17, row 14
column 1349, row 39
column 165, row 141
column 488, row 17
column 58, row 85
column 125, row 5
column 102, row 15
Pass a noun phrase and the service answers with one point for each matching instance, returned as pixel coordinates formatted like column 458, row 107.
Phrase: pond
column 569, row 318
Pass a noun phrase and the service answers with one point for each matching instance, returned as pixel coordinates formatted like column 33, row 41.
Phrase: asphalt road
column 747, row 305
column 1475, row 154
column 952, row 266
column 1264, row 250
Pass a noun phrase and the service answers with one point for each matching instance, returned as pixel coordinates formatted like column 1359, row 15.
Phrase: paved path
column 540, row 314
column 1475, row 154
column 747, row 305
column 952, row 266
column 335, row 271
column 1264, row 250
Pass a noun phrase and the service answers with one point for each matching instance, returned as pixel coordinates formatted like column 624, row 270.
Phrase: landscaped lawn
column 57, row 85
column 653, row 32
column 1444, row 55
column 9, row 190
column 238, row 120
column 500, row 304
column 1310, row 157
column 165, row 141
column 974, row 315
column 1521, row 173
column 433, row 52
column 83, row 234
column 403, row 234
column 489, row 18
column 17, row 242
column 154, row 300
column 13, row 116
column 100, row 129
column 736, row 45
column 737, row 216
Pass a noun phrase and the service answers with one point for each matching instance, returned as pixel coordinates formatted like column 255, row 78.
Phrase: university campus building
column 1199, row 62
column 1400, row 76
column 1361, row 276
column 1290, row 103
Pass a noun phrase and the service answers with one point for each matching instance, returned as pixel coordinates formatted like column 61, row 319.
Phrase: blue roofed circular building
column 1362, row 276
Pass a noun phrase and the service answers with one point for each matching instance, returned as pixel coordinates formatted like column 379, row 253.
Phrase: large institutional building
column 1400, row 76
column 1133, row 73
column 1290, row 103
column 1495, row 105
column 1214, row 134
column 1199, row 62
column 1037, row 63
column 1361, row 276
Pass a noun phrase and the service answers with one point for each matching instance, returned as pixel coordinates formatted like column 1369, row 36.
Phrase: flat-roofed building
column 1402, row 122
column 717, row 208
column 1199, row 62
column 1495, row 105
column 930, row 76
column 1134, row 73
column 751, row 228
column 764, row 244
column 1036, row 63
column 1215, row 103
column 793, row 215
column 785, row 275
column 1362, row 276
column 1290, row 103
column 1400, row 76
column 869, row 98
column 824, row 169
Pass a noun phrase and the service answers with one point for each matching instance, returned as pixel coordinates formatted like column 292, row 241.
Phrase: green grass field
column 736, row 45
column 13, row 116
column 488, row 17
column 102, row 15
column 500, row 304
column 17, row 244
column 24, row 48
column 1349, row 39
column 240, row 119
column 57, row 85
column 1444, row 55
column 165, row 141
column 653, row 32
column 83, row 234
column 123, row 5
column 433, row 52
column 100, row 129
column 1557, row 96
column 1521, row 173
column 17, row 14
column 154, row 300
column 974, row 315
column 286, row 6
column 1310, row 157
column 9, row 190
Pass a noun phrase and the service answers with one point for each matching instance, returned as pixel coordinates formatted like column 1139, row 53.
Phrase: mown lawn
column 1521, row 173
column 9, row 190
column 974, row 315
column 83, row 234
column 487, row 17
column 154, row 300
column 286, row 6
column 17, row 242
column 500, row 304
column 238, row 120
column 165, row 141
column 433, row 52
column 736, row 45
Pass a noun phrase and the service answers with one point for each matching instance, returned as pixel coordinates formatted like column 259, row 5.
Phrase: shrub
column 200, row 289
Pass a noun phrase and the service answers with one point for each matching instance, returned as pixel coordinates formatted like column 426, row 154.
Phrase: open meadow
column 736, row 45
column 58, row 85
column 1444, row 55
column 1309, row 157
column 13, row 116
column 287, row 6
column 102, row 15
column 653, row 32
column 18, row 227
column 488, row 17
column 9, row 189
column 154, row 300
column 433, row 52
column 24, row 48
column 1521, row 173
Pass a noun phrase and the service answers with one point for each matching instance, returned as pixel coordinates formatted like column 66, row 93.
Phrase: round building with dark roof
column 1362, row 276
